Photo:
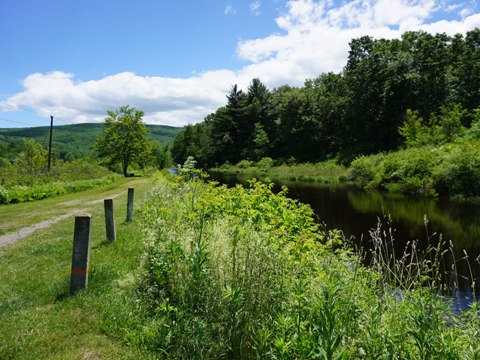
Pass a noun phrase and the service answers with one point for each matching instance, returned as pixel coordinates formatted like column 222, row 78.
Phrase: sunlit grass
column 40, row 320
column 17, row 216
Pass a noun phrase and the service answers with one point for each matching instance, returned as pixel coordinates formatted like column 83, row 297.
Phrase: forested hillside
column 71, row 141
column 357, row 111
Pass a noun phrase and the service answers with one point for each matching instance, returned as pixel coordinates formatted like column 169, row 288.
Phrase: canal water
column 356, row 212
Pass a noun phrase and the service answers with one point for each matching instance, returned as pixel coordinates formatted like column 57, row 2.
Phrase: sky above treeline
column 176, row 60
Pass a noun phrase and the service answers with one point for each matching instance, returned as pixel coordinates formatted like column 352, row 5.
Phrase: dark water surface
column 356, row 212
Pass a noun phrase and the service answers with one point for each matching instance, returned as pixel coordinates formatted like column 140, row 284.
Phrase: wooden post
column 130, row 205
column 81, row 252
column 109, row 220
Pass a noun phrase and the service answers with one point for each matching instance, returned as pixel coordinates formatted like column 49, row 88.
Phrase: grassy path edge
column 20, row 234
column 40, row 320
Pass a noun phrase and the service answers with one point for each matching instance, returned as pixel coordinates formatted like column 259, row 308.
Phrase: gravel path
column 10, row 238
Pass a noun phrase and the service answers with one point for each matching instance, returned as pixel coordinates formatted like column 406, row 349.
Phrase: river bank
column 248, row 273
column 328, row 172
column 449, row 170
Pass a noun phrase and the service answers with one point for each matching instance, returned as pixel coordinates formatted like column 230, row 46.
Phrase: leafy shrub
column 245, row 273
column 439, row 129
column 3, row 195
column 244, row 164
column 187, row 171
column 451, row 169
column 265, row 163
column 458, row 170
column 364, row 168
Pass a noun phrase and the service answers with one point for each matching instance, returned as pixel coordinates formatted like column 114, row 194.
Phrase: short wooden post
column 130, row 205
column 109, row 220
column 81, row 252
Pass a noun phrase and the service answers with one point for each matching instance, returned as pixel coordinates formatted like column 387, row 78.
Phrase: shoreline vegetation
column 449, row 170
column 243, row 273
column 328, row 172
column 403, row 116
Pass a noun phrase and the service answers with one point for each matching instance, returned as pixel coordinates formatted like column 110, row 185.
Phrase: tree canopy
column 357, row 111
column 125, row 139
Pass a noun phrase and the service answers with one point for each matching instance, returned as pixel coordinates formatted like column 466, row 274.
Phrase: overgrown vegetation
column 245, row 273
column 442, row 157
column 326, row 172
column 25, row 178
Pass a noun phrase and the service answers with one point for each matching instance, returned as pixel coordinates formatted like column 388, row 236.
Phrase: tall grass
column 245, row 273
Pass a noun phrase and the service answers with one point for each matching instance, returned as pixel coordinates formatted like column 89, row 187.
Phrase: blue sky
column 176, row 60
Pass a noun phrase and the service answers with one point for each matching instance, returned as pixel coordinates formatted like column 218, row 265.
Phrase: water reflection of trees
column 457, row 222
column 446, row 221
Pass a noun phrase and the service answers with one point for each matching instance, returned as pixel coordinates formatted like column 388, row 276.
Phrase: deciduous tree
column 124, row 141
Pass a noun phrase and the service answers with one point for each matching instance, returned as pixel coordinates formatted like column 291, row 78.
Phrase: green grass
column 40, row 320
column 17, row 216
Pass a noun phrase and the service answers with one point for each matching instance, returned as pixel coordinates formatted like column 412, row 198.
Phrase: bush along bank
column 451, row 169
column 326, row 172
column 245, row 273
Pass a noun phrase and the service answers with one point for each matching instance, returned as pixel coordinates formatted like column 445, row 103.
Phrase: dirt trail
column 10, row 238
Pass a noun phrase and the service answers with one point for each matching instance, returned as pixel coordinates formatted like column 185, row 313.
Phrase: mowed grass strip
column 39, row 319
column 14, row 217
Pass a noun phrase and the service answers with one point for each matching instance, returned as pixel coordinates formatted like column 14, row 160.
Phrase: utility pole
column 50, row 143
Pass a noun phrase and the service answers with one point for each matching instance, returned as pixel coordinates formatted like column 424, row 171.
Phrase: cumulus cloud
column 312, row 38
column 316, row 34
column 169, row 101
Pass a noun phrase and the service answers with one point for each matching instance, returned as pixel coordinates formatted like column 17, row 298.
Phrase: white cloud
column 313, row 38
column 465, row 12
column 255, row 7
column 317, row 33
column 169, row 101
column 230, row 10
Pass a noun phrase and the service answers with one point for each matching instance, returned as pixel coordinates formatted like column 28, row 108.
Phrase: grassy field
column 40, row 320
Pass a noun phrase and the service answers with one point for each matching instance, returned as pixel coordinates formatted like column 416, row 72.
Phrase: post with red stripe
column 81, row 252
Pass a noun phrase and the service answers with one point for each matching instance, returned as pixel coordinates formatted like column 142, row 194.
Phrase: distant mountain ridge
column 74, row 141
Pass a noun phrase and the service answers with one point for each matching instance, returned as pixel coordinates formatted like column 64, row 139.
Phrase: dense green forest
column 70, row 141
column 420, row 79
